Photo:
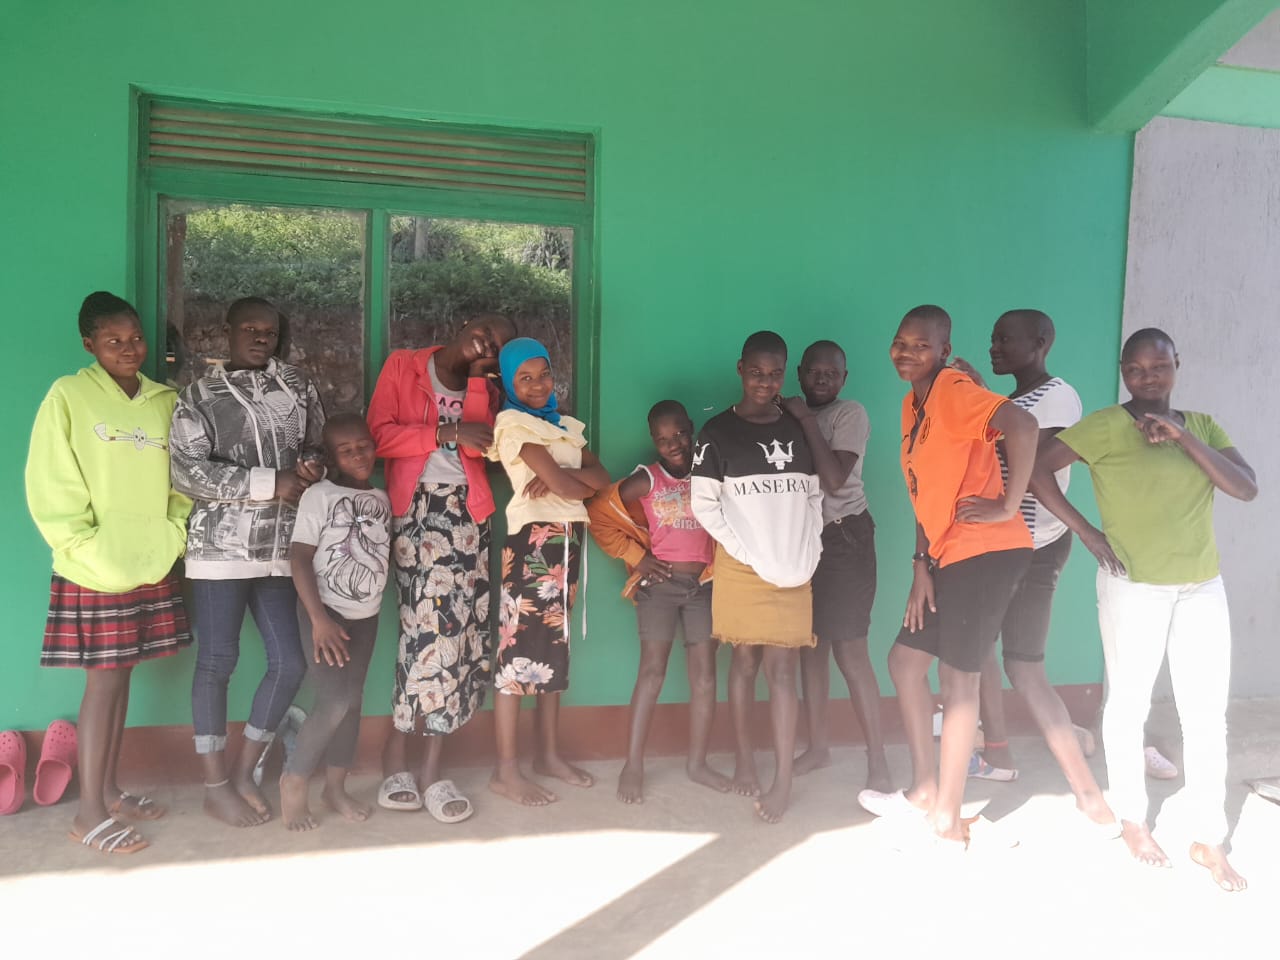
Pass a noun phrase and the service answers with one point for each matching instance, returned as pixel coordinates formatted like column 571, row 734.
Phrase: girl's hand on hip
column 982, row 510
column 328, row 640
column 921, row 595
column 653, row 570
column 536, row 488
column 1096, row 542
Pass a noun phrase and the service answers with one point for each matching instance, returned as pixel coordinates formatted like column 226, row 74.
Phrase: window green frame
column 153, row 183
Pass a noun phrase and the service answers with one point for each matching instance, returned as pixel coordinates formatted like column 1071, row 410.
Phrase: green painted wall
column 1239, row 95
column 812, row 167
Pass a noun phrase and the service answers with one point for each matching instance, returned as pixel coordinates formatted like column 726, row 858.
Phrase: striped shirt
column 1054, row 403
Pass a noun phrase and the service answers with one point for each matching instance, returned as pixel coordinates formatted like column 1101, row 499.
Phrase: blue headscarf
column 510, row 358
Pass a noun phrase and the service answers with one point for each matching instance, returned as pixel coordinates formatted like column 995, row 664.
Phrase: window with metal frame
column 369, row 232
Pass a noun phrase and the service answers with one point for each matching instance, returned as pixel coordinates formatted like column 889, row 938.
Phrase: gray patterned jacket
column 231, row 432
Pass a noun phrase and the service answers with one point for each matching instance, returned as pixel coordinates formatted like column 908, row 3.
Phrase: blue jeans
column 219, row 611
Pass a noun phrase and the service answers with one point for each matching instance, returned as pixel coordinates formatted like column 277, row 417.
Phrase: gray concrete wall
column 1259, row 48
column 1204, row 265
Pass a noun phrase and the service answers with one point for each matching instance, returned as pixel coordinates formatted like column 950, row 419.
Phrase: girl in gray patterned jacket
column 245, row 444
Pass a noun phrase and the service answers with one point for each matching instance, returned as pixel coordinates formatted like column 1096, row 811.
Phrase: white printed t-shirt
column 443, row 464
column 351, row 531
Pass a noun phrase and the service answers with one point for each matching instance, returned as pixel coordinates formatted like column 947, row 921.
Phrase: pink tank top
column 674, row 532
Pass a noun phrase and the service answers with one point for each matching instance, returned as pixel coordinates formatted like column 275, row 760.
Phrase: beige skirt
column 748, row 610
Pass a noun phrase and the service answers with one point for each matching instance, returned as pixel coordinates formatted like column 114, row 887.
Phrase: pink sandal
column 57, row 763
column 13, row 772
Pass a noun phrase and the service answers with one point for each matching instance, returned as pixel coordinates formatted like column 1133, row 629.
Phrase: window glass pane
column 443, row 272
column 309, row 263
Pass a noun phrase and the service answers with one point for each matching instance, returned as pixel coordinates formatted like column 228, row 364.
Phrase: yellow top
column 511, row 431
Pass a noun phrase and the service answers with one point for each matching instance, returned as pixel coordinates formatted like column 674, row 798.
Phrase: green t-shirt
column 1156, row 503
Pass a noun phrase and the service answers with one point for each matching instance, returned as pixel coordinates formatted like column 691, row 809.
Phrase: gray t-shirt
column 351, row 531
column 443, row 464
column 844, row 425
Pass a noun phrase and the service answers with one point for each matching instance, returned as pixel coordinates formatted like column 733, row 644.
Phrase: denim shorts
column 682, row 600
column 844, row 585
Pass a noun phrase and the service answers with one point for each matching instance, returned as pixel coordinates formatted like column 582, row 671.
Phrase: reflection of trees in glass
column 445, row 271
column 311, row 264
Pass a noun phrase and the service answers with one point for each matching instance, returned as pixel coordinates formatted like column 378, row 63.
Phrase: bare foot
column 745, row 782
column 1137, row 837
column 1095, row 808
column 556, row 766
column 1214, row 858
column 224, row 803
column 878, row 777
column 773, row 805
column 631, row 784
column 507, row 781
column 293, row 803
column 252, row 795
column 815, row 758
column 703, row 774
column 128, row 806
column 339, row 801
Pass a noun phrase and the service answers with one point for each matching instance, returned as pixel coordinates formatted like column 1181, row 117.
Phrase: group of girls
column 274, row 511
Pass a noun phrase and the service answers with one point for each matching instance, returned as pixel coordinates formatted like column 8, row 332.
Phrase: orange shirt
column 952, row 456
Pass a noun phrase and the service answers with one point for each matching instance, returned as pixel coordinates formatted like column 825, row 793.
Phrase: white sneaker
column 893, row 804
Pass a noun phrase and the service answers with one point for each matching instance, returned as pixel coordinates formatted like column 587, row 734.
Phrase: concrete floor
column 689, row 872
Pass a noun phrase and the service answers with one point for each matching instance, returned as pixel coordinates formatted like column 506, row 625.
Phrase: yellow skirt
column 748, row 610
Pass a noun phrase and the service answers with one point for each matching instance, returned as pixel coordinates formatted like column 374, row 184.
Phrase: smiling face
column 822, row 375
column 1149, row 371
column 1015, row 345
column 533, row 383
column 351, row 451
column 762, row 373
column 482, row 339
column 118, row 345
column 252, row 337
column 919, row 350
column 673, row 439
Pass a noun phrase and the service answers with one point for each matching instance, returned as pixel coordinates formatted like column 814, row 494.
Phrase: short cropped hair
column 668, row 408
column 1036, row 320
column 341, row 422
column 820, row 345
column 764, row 341
column 1145, row 335
column 933, row 315
column 282, row 322
column 98, row 305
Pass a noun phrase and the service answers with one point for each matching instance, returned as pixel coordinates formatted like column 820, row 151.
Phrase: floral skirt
column 441, row 559
column 539, row 583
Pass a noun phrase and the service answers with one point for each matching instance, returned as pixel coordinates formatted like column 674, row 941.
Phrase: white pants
column 1140, row 623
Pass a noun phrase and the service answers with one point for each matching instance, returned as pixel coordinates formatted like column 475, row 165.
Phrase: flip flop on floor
column 439, row 795
column 401, row 782
column 109, row 840
column 13, row 772
column 57, row 763
column 139, row 808
column 979, row 769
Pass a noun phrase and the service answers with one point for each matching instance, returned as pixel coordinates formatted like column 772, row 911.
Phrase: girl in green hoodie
column 98, row 489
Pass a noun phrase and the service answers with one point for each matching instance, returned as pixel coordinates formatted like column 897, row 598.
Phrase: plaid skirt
column 102, row 630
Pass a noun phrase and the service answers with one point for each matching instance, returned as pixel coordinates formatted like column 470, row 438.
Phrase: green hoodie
column 98, row 482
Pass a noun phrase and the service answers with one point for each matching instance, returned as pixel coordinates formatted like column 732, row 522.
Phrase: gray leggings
column 331, row 729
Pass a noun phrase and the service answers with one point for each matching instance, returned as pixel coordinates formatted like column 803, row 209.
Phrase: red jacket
column 403, row 418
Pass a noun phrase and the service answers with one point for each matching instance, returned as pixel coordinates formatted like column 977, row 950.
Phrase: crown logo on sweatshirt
column 776, row 455
column 699, row 451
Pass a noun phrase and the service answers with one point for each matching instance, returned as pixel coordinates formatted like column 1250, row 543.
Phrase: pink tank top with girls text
column 674, row 533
